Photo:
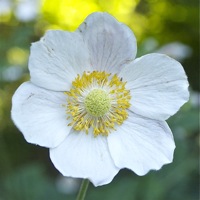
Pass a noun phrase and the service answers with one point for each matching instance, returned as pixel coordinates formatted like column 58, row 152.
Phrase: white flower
column 94, row 106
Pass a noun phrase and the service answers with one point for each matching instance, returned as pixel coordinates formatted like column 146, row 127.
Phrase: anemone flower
column 96, row 107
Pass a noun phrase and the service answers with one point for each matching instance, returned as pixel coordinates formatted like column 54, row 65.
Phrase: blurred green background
column 165, row 26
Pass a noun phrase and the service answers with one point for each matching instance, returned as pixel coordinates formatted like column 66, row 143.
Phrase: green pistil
column 97, row 102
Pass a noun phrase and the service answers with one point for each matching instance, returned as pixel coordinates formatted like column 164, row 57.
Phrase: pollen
column 97, row 101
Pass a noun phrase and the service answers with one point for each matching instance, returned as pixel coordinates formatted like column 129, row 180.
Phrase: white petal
column 85, row 156
column 57, row 59
column 158, row 86
column 141, row 144
column 39, row 115
column 111, row 44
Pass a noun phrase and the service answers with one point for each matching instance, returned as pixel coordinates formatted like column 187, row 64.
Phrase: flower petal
column 141, row 144
column 158, row 86
column 57, row 59
column 85, row 156
column 111, row 44
column 39, row 115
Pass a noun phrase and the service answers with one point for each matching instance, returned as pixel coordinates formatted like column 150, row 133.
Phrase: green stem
column 83, row 189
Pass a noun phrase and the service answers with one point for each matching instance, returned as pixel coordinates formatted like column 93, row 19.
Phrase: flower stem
column 83, row 189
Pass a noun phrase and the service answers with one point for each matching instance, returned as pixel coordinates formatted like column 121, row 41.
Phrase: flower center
column 97, row 102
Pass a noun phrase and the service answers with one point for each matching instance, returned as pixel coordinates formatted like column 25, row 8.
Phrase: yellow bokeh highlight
column 5, row 17
column 17, row 56
column 69, row 14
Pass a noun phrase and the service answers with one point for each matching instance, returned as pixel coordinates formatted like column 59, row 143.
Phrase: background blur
column 166, row 26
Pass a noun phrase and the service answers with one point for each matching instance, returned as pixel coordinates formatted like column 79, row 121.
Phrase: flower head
column 97, row 101
column 96, row 107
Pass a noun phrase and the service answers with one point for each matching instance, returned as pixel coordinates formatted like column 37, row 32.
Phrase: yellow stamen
column 97, row 101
